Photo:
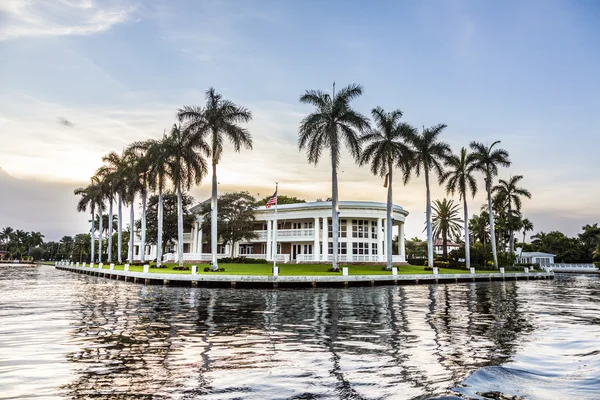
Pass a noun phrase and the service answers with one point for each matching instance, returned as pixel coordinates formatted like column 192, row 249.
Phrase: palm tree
column 445, row 221
column 527, row 226
column 332, row 123
column 387, row 149
column 479, row 226
column 459, row 178
column 6, row 236
column 91, row 196
column 115, row 170
column 142, row 170
column 430, row 153
column 185, row 167
column 487, row 160
column 157, row 153
column 219, row 119
column 510, row 193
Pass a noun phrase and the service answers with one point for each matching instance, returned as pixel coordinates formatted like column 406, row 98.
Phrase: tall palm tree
column 6, row 236
column 131, row 173
column 157, row 153
column 430, row 154
column 387, row 149
column 142, row 172
column 445, row 221
column 218, row 120
column 459, row 178
column 510, row 193
column 186, row 167
column 115, row 170
column 331, row 124
column 527, row 226
column 91, row 196
column 487, row 160
column 479, row 226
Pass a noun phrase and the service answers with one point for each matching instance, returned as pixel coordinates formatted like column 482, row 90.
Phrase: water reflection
column 131, row 341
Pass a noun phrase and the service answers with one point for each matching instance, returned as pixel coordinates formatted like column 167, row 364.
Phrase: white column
column 269, row 241
column 236, row 250
column 199, row 243
column 316, row 240
column 194, row 238
column 379, row 247
column 325, row 239
column 402, row 250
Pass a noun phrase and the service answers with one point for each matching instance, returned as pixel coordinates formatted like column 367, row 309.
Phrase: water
column 72, row 336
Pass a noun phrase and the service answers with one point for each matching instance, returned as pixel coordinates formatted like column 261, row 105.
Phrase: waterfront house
column 303, row 234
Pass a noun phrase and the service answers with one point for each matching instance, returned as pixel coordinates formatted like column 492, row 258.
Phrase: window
column 360, row 248
column 342, row 246
column 373, row 230
column 308, row 249
column 247, row 249
column 360, row 228
column 374, row 248
column 343, row 228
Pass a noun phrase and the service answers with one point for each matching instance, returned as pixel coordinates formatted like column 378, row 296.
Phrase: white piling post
column 100, row 266
column 394, row 271
column 126, row 267
column 435, row 270
column 275, row 271
column 194, row 270
column 83, row 265
column 472, row 271
column 112, row 266
column 146, row 268
column 526, row 270
column 502, row 270
column 344, row 271
column 91, row 265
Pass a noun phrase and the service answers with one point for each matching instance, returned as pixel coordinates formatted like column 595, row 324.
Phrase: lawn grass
column 294, row 269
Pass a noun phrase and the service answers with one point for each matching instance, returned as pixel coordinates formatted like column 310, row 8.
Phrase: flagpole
column 275, row 228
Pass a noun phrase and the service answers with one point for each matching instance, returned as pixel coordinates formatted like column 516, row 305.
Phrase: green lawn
column 294, row 269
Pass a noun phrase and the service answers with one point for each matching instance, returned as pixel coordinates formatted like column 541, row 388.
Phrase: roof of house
column 536, row 254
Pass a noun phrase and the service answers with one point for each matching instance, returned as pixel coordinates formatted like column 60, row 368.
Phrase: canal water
column 73, row 336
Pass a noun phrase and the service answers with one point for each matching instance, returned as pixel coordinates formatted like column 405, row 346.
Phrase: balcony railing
column 172, row 257
column 287, row 234
column 348, row 258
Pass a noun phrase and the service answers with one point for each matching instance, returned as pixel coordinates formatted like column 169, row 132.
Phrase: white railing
column 348, row 258
column 287, row 233
column 172, row 257
column 187, row 237
column 571, row 267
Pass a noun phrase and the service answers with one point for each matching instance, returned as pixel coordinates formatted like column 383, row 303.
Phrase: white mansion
column 303, row 234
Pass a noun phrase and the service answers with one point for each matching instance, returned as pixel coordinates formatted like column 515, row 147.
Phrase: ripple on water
column 71, row 336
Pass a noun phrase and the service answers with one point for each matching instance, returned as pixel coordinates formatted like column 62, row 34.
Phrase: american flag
column 272, row 200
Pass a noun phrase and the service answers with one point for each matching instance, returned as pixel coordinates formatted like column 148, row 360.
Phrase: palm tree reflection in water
column 155, row 342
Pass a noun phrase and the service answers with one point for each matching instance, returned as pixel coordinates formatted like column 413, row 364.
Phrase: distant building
column 534, row 257
column 438, row 247
column 304, row 234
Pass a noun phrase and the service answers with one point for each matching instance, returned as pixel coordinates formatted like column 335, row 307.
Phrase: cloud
column 59, row 17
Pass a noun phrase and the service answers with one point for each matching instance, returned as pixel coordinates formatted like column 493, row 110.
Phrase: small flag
column 272, row 200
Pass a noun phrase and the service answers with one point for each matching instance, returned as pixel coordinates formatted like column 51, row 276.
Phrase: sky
column 81, row 78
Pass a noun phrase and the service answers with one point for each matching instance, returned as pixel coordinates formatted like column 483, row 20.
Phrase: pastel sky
column 79, row 78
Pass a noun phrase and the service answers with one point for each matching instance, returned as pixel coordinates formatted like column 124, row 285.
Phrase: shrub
column 182, row 268
column 597, row 264
column 427, row 269
column 416, row 261
column 243, row 260
column 208, row 269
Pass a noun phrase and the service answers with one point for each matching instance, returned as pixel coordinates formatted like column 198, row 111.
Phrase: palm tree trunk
column 492, row 231
column 467, row 234
column 511, row 246
column 100, row 223
column 180, row 225
column 445, row 244
column 92, row 236
column 143, row 239
column 160, row 229
column 388, row 221
column 131, row 228
column 120, row 230
column 110, row 229
column 334, row 214
column 214, row 218
column 428, row 216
